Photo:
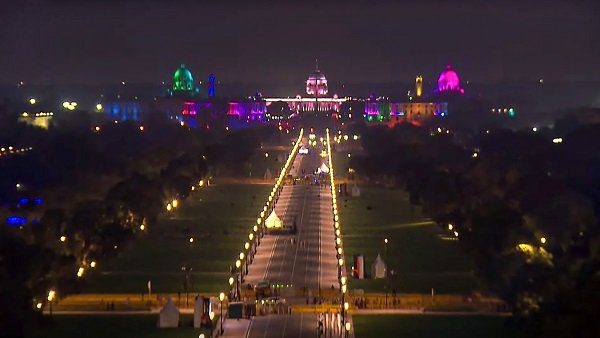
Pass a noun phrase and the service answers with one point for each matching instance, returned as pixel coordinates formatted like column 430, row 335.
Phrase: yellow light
column 66, row 104
column 341, row 262
column 38, row 305
column 337, row 232
column 349, row 155
column 344, row 288
column 258, row 221
column 24, row 114
column 99, row 106
column 456, row 233
column 450, row 226
column 97, row 128
column 262, row 213
column 211, row 315
column 338, row 241
column 230, row 280
column 63, row 238
column 193, row 188
column 201, row 183
column 348, row 326
column 343, row 280
column 255, row 228
column 32, row 100
column 175, row 203
column 337, row 225
column 169, row 207
column 191, row 239
column 385, row 241
column 247, row 245
column 242, row 255
column 339, row 250
column 543, row 240
column 182, row 123
column 221, row 296
column 346, row 306
column 238, row 263
column 51, row 295
column 141, row 128
column 266, row 155
column 80, row 272
column 93, row 264
column 142, row 227
column 251, row 236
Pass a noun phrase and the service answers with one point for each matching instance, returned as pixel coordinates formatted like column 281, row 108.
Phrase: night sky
column 102, row 42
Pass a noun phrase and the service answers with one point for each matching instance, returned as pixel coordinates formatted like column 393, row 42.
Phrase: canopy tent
column 273, row 221
column 355, row 191
column 378, row 268
column 169, row 315
column 323, row 169
column 268, row 174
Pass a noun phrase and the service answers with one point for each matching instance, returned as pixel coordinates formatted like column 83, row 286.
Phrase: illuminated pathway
column 308, row 261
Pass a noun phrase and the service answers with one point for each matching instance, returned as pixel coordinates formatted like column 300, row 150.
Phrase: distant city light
column 557, row 140
column 32, row 101
column 99, row 106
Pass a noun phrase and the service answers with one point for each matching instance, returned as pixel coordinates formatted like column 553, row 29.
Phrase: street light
column 221, row 299
column 51, row 297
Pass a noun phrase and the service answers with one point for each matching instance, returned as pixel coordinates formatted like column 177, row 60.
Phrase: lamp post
column 221, row 299
column 51, row 297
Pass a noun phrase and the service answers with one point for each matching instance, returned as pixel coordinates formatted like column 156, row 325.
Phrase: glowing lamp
column 221, row 296
column 169, row 207
column 230, row 280
column 63, row 238
column 242, row 255
column 450, row 226
column 341, row 262
column 211, row 315
column 80, row 272
column 191, row 239
column 343, row 280
column 258, row 220
column 175, row 203
column 142, row 227
column 338, row 241
column 246, row 245
column 51, row 295
column 238, row 263
column 251, row 236
column 346, row 306
column 93, row 264
column 543, row 240
column 344, row 288
column 32, row 101
column 348, row 327
column 38, row 306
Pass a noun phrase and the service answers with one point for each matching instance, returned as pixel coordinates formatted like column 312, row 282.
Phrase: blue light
column 16, row 220
column 23, row 201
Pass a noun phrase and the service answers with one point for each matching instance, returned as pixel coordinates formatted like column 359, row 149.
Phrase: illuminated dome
column 316, row 83
column 449, row 81
column 183, row 80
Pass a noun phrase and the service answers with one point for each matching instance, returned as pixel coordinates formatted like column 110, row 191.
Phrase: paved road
column 306, row 259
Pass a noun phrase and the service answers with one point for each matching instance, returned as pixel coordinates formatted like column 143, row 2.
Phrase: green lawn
column 84, row 326
column 218, row 217
column 274, row 162
column 416, row 251
column 430, row 326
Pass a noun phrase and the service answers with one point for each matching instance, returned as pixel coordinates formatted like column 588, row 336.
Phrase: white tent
column 323, row 169
column 355, row 191
column 273, row 221
column 169, row 315
column 303, row 150
column 378, row 268
column 268, row 174
column 198, row 307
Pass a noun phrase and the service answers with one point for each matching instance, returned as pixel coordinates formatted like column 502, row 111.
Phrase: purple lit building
column 251, row 110
column 449, row 81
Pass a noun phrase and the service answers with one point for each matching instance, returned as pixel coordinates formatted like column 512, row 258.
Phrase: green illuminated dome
column 183, row 80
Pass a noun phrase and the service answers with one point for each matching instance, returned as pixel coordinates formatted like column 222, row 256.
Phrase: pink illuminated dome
column 449, row 81
column 316, row 83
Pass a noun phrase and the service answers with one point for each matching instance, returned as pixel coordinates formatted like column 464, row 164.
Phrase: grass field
column 413, row 326
column 66, row 326
column 217, row 217
column 416, row 250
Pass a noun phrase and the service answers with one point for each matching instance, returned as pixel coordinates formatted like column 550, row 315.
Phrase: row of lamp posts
column 258, row 231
